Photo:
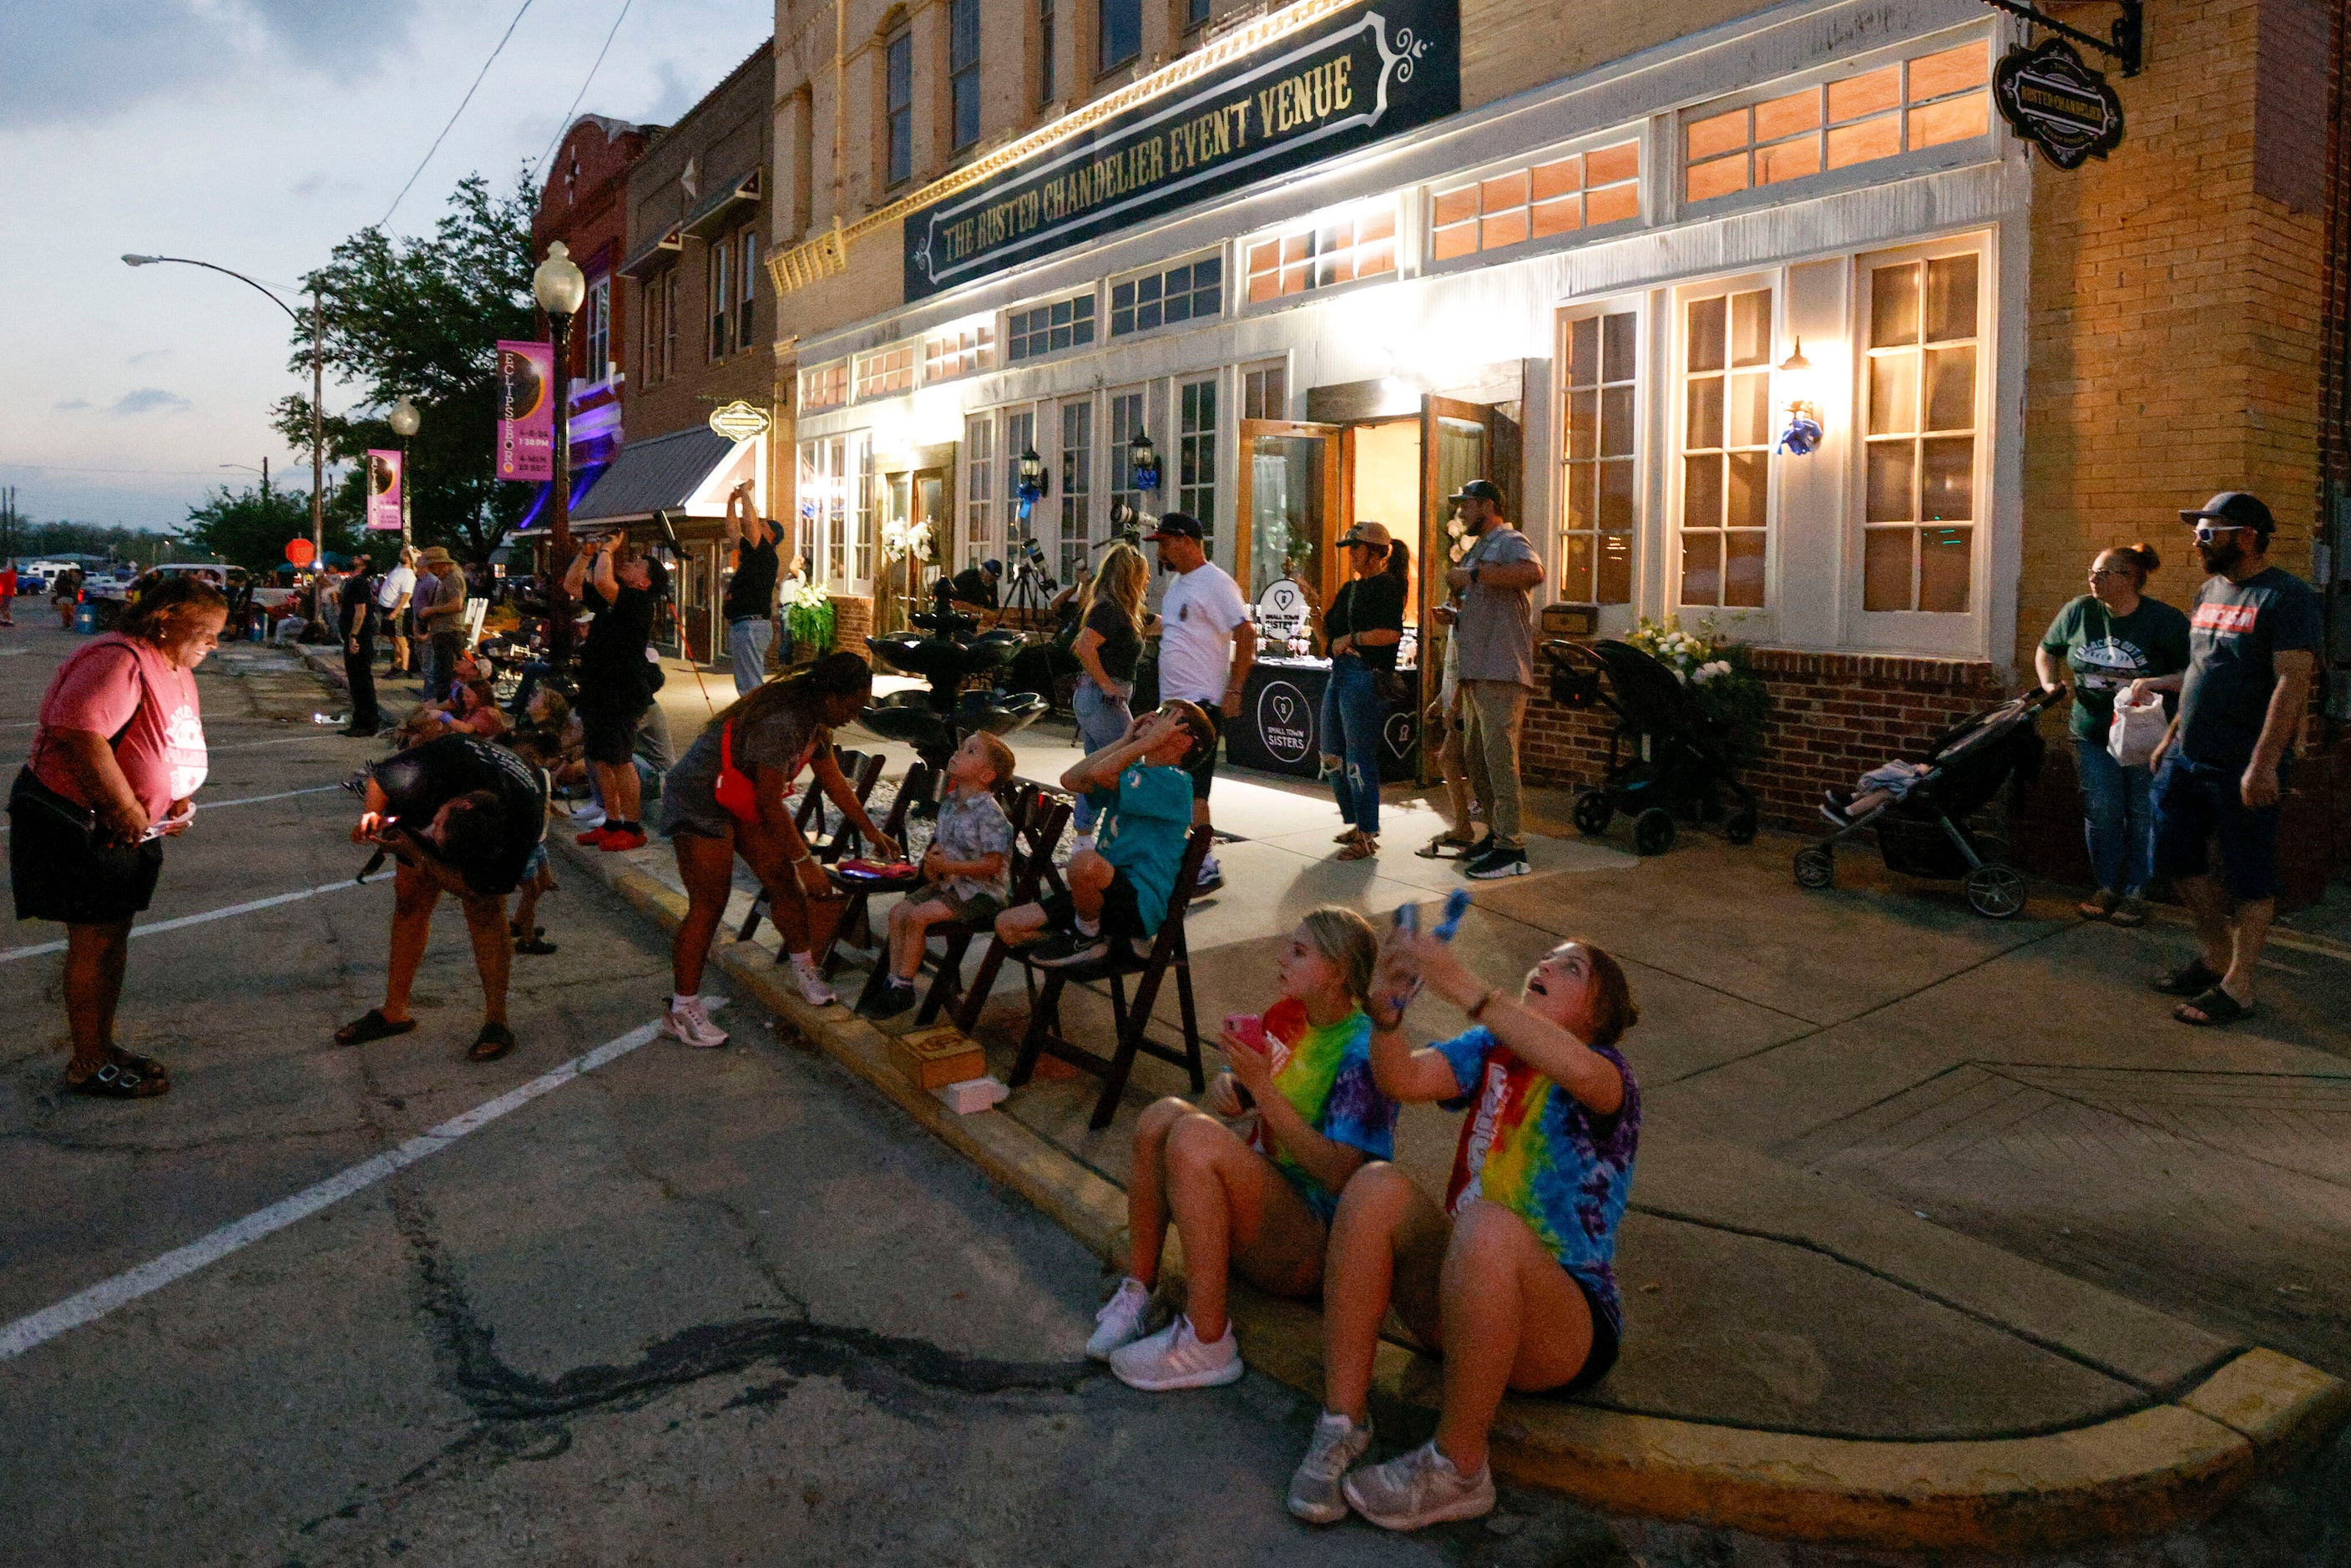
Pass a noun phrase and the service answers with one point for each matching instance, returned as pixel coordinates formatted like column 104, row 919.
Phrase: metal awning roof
column 712, row 213
column 653, row 476
column 667, row 245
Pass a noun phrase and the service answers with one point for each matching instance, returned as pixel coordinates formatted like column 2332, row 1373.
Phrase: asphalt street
column 684, row 1308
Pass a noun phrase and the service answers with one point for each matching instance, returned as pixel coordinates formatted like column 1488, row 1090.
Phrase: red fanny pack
column 735, row 790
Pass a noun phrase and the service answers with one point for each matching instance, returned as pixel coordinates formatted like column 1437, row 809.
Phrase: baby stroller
column 1663, row 758
column 1923, row 834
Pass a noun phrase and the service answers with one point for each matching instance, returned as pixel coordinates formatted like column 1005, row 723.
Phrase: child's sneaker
column 1067, row 949
column 688, row 1022
column 1120, row 1322
column 1176, row 1357
column 1212, row 876
column 1314, row 1492
column 810, row 982
column 890, row 998
column 1419, row 1488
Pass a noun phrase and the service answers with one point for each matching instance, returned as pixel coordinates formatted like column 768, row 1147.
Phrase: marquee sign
column 1369, row 72
column 2057, row 103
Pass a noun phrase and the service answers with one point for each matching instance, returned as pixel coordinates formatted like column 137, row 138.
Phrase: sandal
column 2191, row 980
column 1435, row 849
column 2217, row 1006
column 145, row 1066
column 1361, row 848
column 371, row 1025
column 536, row 943
column 495, row 1040
column 116, row 1082
column 1347, row 836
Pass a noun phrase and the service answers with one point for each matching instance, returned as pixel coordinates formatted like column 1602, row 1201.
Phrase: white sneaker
column 689, row 1022
column 1121, row 1319
column 589, row 815
column 1314, row 1494
column 1174, row 1358
column 811, row 984
column 1419, row 1488
column 1081, row 843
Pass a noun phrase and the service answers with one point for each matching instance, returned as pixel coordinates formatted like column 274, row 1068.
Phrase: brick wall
column 852, row 622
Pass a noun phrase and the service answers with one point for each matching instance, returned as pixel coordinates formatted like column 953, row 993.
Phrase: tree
column 251, row 528
column 421, row 318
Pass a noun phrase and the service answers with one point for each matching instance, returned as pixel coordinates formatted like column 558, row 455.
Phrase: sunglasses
column 2208, row 533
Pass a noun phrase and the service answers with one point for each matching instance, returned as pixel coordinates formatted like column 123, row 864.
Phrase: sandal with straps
column 2192, row 979
column 2216, row 1008
column 116, row 1082
column 371, row 1025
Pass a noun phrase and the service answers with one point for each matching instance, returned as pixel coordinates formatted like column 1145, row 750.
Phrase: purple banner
column 384, row 480
column 525, row 411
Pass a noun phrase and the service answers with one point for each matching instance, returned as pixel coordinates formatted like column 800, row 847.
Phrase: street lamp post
column 317, row 385
column 404, row 420
column 559, row 286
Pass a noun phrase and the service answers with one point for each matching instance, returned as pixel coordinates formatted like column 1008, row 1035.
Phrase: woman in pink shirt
column 117, row 758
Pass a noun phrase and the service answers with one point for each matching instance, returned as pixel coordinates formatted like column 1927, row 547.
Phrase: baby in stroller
column 1877, row 787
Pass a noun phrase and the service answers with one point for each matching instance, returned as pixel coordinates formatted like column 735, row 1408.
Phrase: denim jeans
column 2115, row 818
column 1103, row 718
column 747, row 646
column 1352, row 716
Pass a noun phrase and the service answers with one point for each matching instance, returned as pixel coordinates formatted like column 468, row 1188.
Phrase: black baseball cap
column 1476, row 490
column 1176, row 525
column 2237, row 508
column 993, row 567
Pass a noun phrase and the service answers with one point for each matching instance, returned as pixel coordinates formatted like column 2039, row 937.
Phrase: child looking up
column 966, row 872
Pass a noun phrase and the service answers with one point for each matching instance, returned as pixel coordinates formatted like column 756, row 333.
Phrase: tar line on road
column 90, row 1305
column 156, row 928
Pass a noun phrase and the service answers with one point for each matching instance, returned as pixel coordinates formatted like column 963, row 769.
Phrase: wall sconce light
column 1142, row 462
column 1803, row 431
column 1031, row 488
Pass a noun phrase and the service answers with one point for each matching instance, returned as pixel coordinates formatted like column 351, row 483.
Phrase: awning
column 654, row 254
column 667, row 473
column 713, row 213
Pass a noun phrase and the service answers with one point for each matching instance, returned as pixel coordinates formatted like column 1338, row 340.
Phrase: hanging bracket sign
column 2057, row 103
column 738, row 421
column 1367, row 72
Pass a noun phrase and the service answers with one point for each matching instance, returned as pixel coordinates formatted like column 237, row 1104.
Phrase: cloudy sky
column 254, row 135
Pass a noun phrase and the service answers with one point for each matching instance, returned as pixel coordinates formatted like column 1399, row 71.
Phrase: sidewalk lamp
column 1142, row 462
column 559, row 286
column 318, row 384
column 404, row 422
column 1803, row 431
column 1031, row 488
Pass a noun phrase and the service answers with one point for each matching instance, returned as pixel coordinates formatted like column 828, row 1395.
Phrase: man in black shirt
column 462, row 816
column 615, row 687
column 356, row 620
column 975, row 585
column 750, row 603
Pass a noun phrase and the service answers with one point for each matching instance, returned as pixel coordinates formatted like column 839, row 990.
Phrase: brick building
column 1333, row 258
column 701, row 336
column 584, row 203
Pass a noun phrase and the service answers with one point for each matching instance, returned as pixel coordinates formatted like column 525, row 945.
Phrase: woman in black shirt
column 1362, row 626
column 1107, row 646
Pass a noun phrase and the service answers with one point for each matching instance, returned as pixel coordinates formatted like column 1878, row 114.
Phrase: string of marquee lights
column 453, row 118
column 538, row 169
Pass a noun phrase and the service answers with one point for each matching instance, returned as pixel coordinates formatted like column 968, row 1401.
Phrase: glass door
column 1289, row 489
column 931, row 505
column 1457, row 445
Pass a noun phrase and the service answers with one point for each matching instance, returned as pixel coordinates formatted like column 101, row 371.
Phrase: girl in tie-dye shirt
column 1259, row 1199
column 1511, row 1278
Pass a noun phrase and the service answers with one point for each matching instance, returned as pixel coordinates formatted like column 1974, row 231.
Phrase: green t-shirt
column 2107, row 651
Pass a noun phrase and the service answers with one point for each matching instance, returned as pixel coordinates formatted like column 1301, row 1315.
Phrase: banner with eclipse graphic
column 525, row 411
column 384, row 480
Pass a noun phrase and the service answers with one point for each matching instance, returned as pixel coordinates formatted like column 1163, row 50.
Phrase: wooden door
column 1457, row 445
column 1288, row 494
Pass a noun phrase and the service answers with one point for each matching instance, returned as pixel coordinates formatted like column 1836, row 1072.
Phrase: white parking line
column 156, row 928
column 87, row 1306
column 254, row 800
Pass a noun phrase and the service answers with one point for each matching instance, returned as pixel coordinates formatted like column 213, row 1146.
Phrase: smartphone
column 1250, row 1028
column 1408, row 917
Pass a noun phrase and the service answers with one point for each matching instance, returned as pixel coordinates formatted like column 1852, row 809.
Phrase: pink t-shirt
column 119, row 681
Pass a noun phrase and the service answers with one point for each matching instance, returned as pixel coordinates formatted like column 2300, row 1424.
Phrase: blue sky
column 254, row 135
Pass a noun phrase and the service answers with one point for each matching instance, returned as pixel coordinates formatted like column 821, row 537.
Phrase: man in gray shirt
column 1493, row 635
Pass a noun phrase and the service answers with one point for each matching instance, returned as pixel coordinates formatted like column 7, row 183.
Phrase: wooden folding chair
column 1038, row 815
column 913, row 790
column 863, row 771
column 1130, row 1019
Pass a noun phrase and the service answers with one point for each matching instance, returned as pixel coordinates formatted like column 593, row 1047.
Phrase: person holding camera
column 750, row 605
column 615, row 687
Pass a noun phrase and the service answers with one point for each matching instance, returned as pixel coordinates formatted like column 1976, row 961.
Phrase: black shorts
column 59, row 870
column 1120, row 915
column 609, row 728
column 1203, row 767
column 1607, row 1342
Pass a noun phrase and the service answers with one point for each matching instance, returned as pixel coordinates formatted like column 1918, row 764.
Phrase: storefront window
column 824, row 386
column 1193, row 291
column 1595, row 551
column 1076, row 487
column 891, row 370
column 1359, row 242
column 980, row 539
column 1580, row 190
column 1920, row 451
column 1265, row 392
column 1125, row 419
column 959, row 352
column 1050, row 329
column 1726, row 447
column 1195, row 455
column 1923, row 103
column 836, row 485
column 1019, row 436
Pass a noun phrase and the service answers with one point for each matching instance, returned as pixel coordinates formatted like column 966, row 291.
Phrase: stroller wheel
column 1593, row 812
column 1741, row 827
column 1815, row 869
column 1653, row 831
column 1995, row 891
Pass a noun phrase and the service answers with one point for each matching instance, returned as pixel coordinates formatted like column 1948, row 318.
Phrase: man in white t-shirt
column 392, row 596
column 1200, row 658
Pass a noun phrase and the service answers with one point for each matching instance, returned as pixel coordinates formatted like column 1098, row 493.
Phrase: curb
column 2141, row 1474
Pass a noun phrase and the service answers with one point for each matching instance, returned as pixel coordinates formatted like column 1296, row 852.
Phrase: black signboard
column 1279, row 729
column 1363, row 74
column 2057, row 103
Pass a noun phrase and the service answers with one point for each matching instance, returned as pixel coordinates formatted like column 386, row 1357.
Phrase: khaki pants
column 1492, row 713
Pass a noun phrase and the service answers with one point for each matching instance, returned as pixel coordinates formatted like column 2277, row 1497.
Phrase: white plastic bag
column 2137, row 728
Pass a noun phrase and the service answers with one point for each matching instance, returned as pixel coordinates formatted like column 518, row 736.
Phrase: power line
column 453, row 118
column 562, row 124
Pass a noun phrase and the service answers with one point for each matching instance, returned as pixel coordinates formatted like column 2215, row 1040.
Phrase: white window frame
column 1096, row 322
column 983, row 510
column 1209, row 444
column 1634, row 134
column 1645, row 384
column 597, row 310
column 836, row 485
column 1353, row 213
column 1118, row 404
column 1675, row 388
column 1069, row 552
column 1109, row 332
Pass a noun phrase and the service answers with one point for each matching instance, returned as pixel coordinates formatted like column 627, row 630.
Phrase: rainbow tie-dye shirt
column 1537, row 1150
column 1326, row 1075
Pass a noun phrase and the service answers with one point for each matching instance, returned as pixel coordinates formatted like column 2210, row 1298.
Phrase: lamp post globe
column 403, row 419
column 559, row 285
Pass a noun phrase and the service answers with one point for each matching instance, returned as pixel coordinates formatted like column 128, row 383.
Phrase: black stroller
column 1924, row 834
column 1663, row 758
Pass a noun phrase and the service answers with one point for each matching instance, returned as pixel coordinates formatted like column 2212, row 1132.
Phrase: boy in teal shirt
column 1119, row 889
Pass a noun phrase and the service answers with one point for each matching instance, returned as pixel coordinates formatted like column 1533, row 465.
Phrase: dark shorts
column 1203, row 767
column 1606, row 1343
column 1120, row 915
column 60, row 872
column 978, row 909
column 609, row 728
column 2194, row 804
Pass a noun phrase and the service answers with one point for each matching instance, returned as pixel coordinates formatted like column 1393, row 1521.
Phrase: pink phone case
column 1250, row 1027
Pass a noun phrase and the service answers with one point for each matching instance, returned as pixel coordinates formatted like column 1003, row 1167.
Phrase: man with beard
column 2253, row 646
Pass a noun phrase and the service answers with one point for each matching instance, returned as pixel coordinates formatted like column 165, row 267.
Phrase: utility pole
column 317, row 448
